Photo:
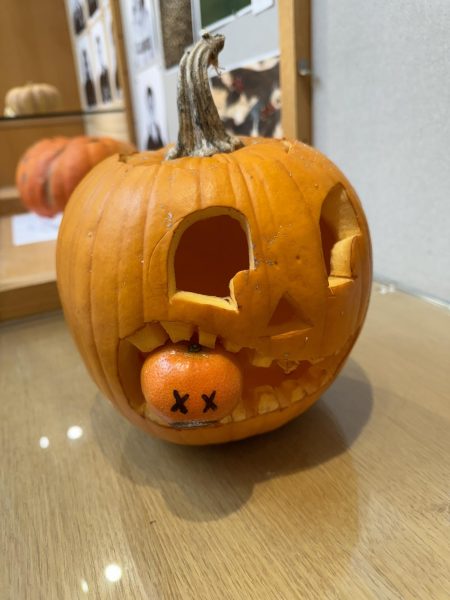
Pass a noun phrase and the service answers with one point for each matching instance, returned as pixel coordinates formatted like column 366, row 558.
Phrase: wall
column 35, row 46
column 382, row 113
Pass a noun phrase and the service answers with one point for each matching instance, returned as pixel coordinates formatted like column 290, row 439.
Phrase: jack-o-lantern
column 255, row 249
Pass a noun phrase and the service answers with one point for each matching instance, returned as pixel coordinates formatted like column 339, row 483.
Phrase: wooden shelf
column 10, row 203
column 27, row 276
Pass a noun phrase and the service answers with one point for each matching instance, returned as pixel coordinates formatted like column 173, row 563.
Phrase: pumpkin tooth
column 207, row 339
column 288, row 365
column 283, row 400
column 259, row 360
column 292, row 390
column 178, row 330
column 239, row 413
column 310, row 386
column 226, row 420
column 267, row 400
column 297, row 393
column 151, row 336
column 231, row 346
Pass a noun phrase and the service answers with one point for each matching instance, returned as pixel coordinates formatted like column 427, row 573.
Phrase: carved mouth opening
column 269, row 385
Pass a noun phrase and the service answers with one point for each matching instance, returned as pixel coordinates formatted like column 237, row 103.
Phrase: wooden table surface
column 351, row 500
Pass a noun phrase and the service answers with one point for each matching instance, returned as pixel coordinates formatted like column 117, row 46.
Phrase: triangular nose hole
column 287, row 316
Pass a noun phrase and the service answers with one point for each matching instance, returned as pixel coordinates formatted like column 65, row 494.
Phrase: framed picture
column 141, row 33
column 77, row 15
column 102, row 69
column 92, row 6
column 150, row 109
column 112, row 51
column 86, row 72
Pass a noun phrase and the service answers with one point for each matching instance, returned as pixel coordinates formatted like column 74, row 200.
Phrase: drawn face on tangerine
column 185, row 385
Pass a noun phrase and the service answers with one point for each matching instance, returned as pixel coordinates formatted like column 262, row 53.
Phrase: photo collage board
column 140, row 21
column 91, row 27
column 156, row 33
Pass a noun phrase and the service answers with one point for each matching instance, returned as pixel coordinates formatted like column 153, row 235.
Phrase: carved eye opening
column 339, row 230
column 208, row 249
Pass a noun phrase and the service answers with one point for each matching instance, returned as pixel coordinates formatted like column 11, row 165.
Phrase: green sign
column 215, row 10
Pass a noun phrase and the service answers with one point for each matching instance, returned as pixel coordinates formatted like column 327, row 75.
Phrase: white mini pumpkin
column 32, row 98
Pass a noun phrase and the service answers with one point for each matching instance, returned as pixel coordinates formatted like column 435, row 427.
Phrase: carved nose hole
column 287, row 316
column 209, row 253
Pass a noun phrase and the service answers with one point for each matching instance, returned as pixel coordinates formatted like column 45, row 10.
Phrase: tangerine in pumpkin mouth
column 258, row 249
column 187, row 385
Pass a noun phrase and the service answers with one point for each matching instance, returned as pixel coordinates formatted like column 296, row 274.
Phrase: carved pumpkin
column 32, row 99
column 255, row 248
column 50, row 170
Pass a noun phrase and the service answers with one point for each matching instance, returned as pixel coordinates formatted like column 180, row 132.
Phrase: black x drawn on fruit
column 179, row 402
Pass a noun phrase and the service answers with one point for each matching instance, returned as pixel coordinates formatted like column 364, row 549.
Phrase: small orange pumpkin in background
column 256, row 249
column 50, row 169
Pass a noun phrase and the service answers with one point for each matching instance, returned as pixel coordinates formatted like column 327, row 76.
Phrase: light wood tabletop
column 349, row 501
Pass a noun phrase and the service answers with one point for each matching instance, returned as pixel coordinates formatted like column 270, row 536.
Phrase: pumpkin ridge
column 93, row 329
column 142, row 185
column 103, row 181
column 255, row 228
column 272, row 295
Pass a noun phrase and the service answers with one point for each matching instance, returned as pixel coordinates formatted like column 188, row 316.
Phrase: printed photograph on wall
column 151, row 114
column 115, row 76
column 92, row 7
column 248, row 98
column 77, row 16
column 102, row 72
column 85, row 69
column 142, row 43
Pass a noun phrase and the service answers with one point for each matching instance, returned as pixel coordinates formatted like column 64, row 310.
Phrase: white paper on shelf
column 31, row 229
column 260, row 5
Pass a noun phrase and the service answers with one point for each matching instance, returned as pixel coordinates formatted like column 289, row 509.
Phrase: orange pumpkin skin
column 292, row 313
column 189, row 384
column 50, row 170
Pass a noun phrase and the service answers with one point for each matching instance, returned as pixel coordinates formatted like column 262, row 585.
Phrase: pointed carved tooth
column 283, row 401
column 231, row 346
column 286, row 388
column 207, row 339
column 310, row 386
column 226, row 420
column 239, row 413
column 297, row 394
column 288, row 365
column 178, row 330
column 149, row 337
column 267, row 400
column 259, row 360
column 317, row 372
column 152, row 416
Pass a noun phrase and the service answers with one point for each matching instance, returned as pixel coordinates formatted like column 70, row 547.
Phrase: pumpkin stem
column 201, row 132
